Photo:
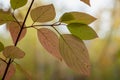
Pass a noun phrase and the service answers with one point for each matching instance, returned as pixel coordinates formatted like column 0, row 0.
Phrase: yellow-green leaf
column 82, row 31
column 17, row 3
column 13, row 52
column 43, row 13
column 5, row 16
column 77, row 17
column 11, row 70
column 1, row 46
column 50, row 41
column 86, row 1
column 14, row 29
column 75, row 54
column 24, row 72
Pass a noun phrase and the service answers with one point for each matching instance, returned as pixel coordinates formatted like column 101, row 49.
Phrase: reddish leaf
column 50, row 41
column 14, row 29
column 75, row 54
column 13, row 52
column 11, row 70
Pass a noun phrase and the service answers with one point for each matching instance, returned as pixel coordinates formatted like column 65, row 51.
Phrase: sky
column 77, row 5
column 63, row 6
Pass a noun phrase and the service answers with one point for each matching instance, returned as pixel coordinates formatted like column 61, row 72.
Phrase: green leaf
column 82, row 31
column 5, row 16
column 14, row 29
column 1, row 46
column 11, row 70
column 43, row 13
column 17, row 3
column 49, row 41
column 77, row 17
column 75, row 54
column 25, row 73
column 13, row 52
column 86, row 1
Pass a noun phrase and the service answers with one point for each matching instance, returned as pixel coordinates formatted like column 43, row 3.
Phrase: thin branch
column 7, row 67
column 16, row 19
column 10, row 60
column 38, row 25
column 55, row 24
column 3, row 60
column 24, row 23
column 58, row 32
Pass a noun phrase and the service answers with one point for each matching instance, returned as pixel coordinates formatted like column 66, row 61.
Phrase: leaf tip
column 86, row 2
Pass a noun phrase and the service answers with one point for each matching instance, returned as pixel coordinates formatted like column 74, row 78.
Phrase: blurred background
column 104, row 51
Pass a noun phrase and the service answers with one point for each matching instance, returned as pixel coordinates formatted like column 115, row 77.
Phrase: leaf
column 11, row 70
column 43, row 13
column 50, row 41
column 75, row 54
column 1, row 46
column 13, row 52
column 14, row 30
column 77, row 17
column 15, row 4
column 82, row 31
column 20, row 68
column 5, row 16
column 86, row 1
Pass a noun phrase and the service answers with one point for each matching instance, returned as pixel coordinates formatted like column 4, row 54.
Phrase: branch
column 24, row 23
column 55, row 24
column 3, row 60
column 10, row 60
column 15, row 19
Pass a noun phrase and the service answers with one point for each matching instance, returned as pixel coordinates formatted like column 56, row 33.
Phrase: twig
column 55, row 24
column 10, row 60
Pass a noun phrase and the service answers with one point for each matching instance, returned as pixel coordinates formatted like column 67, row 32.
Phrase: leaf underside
column 21, row 69
column 75, row 54
column 49, row 41
column 13, row 52
column 43, row 13
column 14, row 29
column 11, row 70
